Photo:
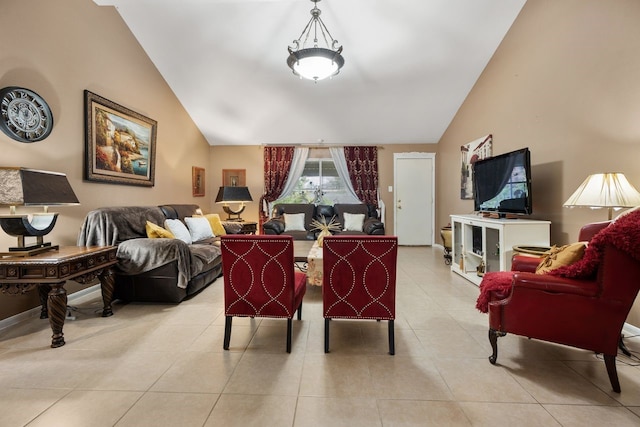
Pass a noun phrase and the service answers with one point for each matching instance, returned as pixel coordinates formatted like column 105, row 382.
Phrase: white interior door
column 414, row 181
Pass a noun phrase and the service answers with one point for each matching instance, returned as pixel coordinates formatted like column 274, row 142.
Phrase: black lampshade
column 30, row 187
column 233, row 195
column 228, row 195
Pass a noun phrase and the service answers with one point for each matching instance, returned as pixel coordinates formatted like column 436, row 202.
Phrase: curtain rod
column 380, row 147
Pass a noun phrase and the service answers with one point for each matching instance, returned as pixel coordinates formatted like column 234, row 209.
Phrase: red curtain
column 277, row 162
column 362, row 163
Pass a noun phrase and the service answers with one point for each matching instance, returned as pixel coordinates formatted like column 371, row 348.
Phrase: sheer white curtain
column 337, row 154
column 300, row 155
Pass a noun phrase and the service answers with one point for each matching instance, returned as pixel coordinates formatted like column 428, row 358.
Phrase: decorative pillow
column 178, row 229
column 154, row 231
column 216, row 224
column 353, row 222
column 199, row 228
column 294, row 222
column 559, row 257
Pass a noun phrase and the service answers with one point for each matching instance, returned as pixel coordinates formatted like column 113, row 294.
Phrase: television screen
column 502, row 183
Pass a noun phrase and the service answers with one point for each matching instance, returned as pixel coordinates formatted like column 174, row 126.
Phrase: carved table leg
column 107, row 282
column 43, row 293
column 57, row 305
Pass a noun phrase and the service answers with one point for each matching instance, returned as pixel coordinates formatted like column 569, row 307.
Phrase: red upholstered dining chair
column 260, row 280
column 583, row 305
column 359, row 280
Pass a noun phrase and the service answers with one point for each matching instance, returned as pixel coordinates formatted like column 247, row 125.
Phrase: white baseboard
column 76, row 297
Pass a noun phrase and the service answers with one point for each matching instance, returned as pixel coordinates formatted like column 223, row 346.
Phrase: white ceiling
column 409, row 64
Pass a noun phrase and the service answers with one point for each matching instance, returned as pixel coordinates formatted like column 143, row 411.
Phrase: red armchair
column 359, row 280
column 260, row 280
column 585, row 311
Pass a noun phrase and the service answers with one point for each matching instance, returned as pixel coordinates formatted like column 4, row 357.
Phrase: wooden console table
column 48, row 271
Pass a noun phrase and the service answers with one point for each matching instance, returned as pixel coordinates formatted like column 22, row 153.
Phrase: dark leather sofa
column 183, row 271
column 276, row 225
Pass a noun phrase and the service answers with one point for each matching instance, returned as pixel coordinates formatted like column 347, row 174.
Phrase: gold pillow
column 154, row 231
column 561, row 256
column 216, row 224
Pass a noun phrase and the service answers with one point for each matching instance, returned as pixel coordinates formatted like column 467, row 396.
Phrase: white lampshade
column 605, row 190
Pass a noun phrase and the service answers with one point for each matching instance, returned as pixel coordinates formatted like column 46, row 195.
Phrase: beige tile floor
column 163, row 365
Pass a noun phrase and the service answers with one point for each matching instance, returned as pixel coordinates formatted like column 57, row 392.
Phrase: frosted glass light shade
column 315, row 63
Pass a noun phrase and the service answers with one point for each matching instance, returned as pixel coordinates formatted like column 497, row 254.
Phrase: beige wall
column 564, row 83
column 60, row 48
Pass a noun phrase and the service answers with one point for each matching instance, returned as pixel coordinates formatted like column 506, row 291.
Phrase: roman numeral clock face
column 24, row 115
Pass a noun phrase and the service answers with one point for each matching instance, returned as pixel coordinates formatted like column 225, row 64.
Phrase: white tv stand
column 488, row 242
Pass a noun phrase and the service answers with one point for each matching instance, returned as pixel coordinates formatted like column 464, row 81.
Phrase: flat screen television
column 502, row 184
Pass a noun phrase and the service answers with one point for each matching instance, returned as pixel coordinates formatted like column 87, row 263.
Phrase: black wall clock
column 24, row 115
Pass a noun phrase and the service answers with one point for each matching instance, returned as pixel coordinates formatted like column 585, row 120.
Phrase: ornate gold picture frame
column 120, row 144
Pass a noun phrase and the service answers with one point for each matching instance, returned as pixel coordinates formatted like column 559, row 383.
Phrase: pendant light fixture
column 315, row 62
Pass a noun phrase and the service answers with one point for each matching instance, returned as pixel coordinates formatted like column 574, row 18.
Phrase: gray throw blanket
column 111, row 226
column 125, row 227
column 136, row 256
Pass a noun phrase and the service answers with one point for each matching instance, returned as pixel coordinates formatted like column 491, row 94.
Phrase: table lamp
column 30, row 187
column 228, row 195
column 605, row 190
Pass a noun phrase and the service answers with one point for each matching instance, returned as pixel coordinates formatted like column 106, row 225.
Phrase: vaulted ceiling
column 409, row 64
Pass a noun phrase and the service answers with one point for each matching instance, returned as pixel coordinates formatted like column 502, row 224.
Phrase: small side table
column 249, row 227
column 314, row 266
column 48, row 271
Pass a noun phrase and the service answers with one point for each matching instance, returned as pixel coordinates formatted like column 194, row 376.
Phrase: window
column 516, row 188
column 319, row 184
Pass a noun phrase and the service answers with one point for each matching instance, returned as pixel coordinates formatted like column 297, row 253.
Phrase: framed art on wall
column 479, row 149
column 234, row 177
column 197, row 181
column 120, row 144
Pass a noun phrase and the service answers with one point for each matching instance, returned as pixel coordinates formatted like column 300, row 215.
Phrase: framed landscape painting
column 120, row 144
